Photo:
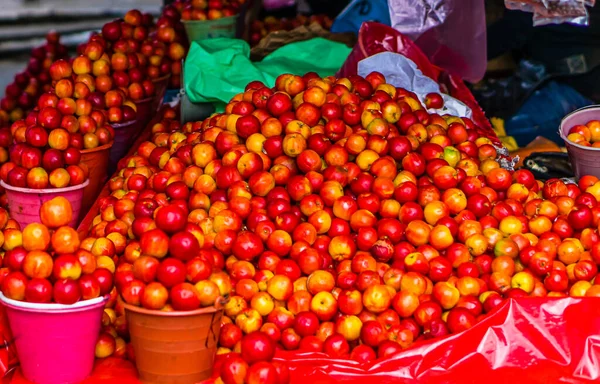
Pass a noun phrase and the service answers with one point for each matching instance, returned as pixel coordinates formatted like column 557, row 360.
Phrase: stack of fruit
column 44, row 263
column 208, row 9
column 88, row 81
column 341, row 217
column 167, row 47
column 160, row 47
column 21, row 95
column 123, row 41
column 261, row 28
column 101, row 80
column 44, row 149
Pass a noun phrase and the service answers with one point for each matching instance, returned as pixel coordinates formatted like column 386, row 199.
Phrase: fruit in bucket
column 209, row 10
column 41, row 157
column 586, row 135
column 45, row 265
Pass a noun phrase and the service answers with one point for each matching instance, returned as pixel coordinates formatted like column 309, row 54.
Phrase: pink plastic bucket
column 55, row 343
column 124, row 137
column 585, row 160
column 24, row 203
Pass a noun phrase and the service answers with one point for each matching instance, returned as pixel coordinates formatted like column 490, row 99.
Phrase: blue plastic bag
column 541, row 114
column 359, row 11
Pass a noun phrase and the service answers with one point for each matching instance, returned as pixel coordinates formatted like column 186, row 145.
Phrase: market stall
column 181, row 207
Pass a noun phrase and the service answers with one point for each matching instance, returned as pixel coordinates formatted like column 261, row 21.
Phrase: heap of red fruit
column 44, row 149
column 587, row 135
column 43, row 263
column 208, row 9
column 159, row 48
column 116, row 79
column 261, row 28
column 21, row 95
column 129, row 41
column 340, row 217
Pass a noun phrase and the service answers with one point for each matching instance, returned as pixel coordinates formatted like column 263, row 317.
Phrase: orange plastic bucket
column 174, row 347
column 96, row 160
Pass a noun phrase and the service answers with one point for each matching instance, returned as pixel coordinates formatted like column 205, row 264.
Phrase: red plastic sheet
column 375, row 38
column 532, row 340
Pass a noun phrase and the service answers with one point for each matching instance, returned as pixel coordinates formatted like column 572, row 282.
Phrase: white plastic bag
column 403, row 73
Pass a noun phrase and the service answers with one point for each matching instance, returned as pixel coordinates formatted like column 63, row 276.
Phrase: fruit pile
column 132, row 37
column 21, row 95
column 587, row 135
column 75, row 115
column 168, row 47
column 209, row 9
column 44, row 263
column 44, row 149
column 122, row 40
column 86, row 88
column 261, row 28
column 338, row 216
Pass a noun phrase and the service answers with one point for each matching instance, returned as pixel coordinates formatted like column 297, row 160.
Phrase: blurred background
column 25, row 23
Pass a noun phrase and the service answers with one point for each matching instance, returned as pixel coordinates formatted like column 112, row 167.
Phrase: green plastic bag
column 215, row 70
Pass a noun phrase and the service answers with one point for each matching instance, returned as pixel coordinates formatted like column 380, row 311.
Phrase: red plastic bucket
column 144, row 111
column 161, row 85
column 585, row 160
column 24, row 203
column 55, row 343
column 124, row 136
column 96, row 160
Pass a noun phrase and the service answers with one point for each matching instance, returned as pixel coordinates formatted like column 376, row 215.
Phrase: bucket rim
column 97, row 149
column 151, row 312
column 124, row 125
column 146, row 100
column 162, row 78
column 44, row 190
column 53, row 307
column 571, row 114
column 228, row 18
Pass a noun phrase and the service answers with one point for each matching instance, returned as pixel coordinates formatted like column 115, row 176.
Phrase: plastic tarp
column 215, row 70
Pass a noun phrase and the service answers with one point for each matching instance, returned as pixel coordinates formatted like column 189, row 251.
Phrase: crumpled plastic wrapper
column 278, row 39
column 441, row 27
column 554, row 11
column 402, row 72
